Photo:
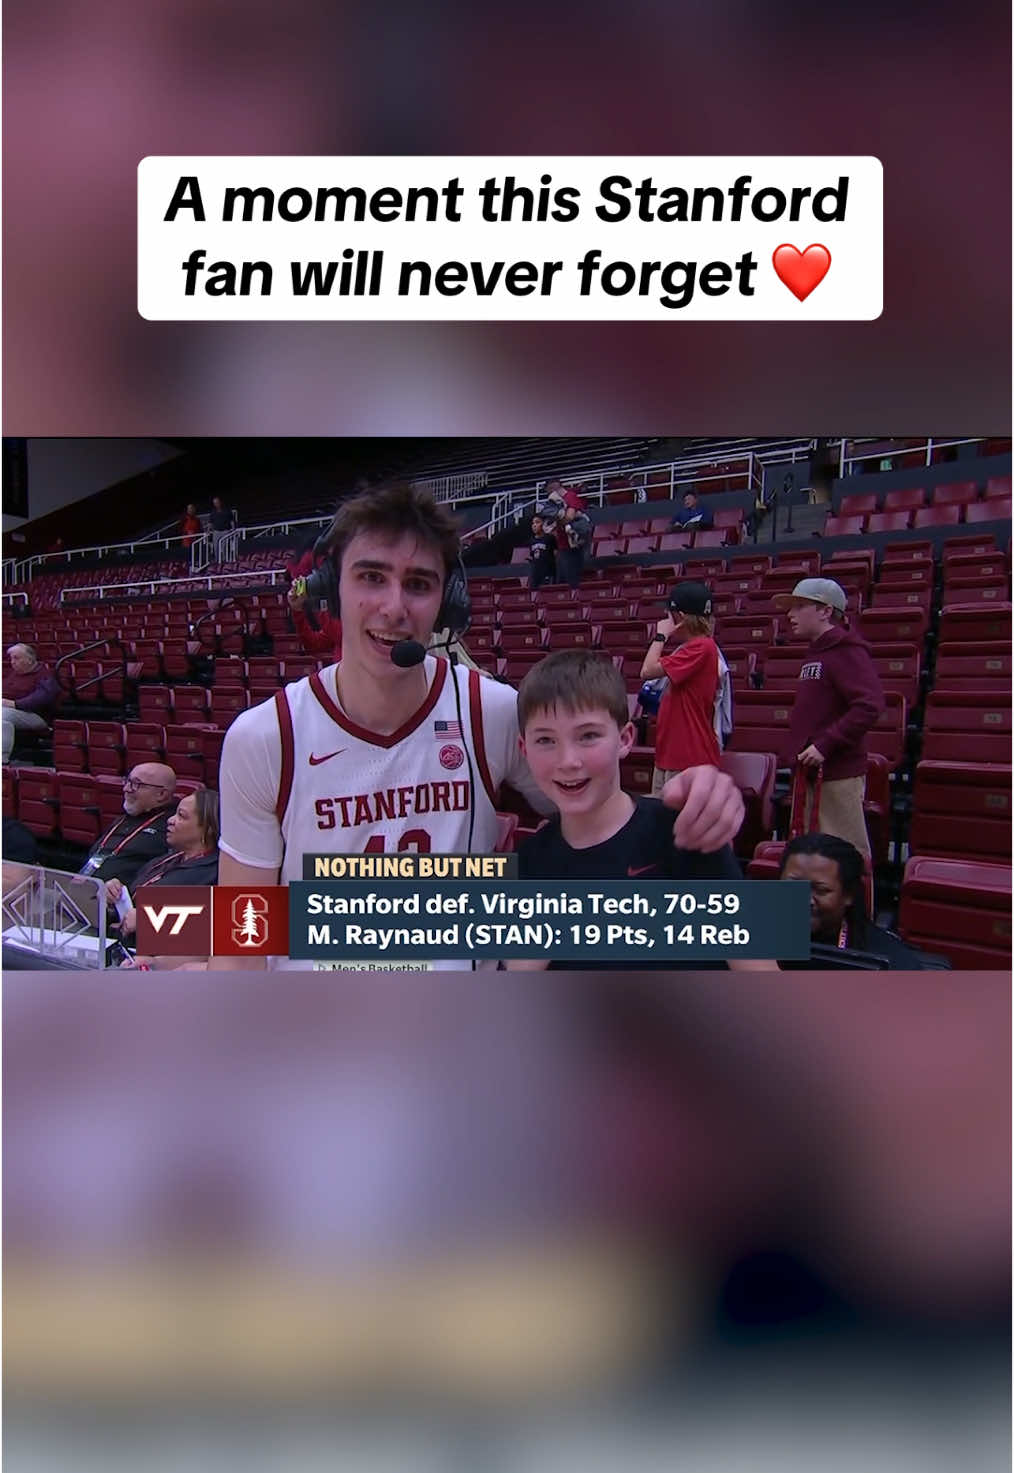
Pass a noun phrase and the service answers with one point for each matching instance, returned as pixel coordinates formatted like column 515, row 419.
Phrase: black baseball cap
column 690, row 598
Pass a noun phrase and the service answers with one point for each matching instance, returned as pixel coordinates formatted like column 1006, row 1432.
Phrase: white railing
column 211, row 582
column 10, row 570
column 16, row 595
column 27, row 568
column 453, row 488
column 201, row 552
column 921, row 447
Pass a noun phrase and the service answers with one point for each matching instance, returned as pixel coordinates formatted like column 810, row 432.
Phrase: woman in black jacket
column 192, row 835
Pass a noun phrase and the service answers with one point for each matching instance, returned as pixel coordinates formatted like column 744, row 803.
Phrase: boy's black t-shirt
column 642, row 849
column 542, row 548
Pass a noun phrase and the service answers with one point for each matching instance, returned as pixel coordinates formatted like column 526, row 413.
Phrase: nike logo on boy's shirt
column 316, row 761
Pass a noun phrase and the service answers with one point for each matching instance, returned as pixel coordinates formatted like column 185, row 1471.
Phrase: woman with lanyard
column 192, row 835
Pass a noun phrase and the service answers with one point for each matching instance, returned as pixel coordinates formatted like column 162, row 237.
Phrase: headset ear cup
column 455, row 612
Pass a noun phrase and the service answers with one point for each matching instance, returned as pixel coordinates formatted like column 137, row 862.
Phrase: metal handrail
column 152, row 585
column 73, row 688
column 18, row 594
column 928, row 446
column 231, row 601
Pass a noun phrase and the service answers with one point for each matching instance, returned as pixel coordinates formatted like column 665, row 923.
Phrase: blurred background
column 336, row 1221
column 90, row 90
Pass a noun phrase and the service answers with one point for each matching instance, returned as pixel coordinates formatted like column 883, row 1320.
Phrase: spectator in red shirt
column 190, row 526
column 685, row 736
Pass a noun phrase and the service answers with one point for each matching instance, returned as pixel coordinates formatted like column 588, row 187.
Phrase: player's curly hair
column 392, row 510
column 573, row 680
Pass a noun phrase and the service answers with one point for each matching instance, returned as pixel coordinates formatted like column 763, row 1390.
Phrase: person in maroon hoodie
column 838, row 699
column 32, row 696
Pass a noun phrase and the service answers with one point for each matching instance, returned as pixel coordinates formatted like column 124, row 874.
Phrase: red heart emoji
column 800, row 270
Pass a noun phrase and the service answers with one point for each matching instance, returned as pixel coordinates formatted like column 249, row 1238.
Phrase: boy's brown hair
column 392, row 510
column 696, row 624
column 573, row 681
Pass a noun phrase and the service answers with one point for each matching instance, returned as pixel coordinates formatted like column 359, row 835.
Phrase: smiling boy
column 575, row 731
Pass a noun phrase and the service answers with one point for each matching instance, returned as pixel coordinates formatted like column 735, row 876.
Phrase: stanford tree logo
column 250, row 927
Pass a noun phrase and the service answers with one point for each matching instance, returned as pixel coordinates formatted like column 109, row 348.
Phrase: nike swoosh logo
column 316, row 761
column 645, row 869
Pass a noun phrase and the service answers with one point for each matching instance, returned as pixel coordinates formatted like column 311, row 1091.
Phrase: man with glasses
column 140, row 835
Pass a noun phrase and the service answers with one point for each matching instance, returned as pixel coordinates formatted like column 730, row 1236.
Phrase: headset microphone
column 408, row 652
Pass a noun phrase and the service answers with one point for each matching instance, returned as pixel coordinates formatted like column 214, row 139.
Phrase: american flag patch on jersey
column 444, row 729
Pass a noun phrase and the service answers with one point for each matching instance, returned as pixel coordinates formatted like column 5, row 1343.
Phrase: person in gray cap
column 838, row 699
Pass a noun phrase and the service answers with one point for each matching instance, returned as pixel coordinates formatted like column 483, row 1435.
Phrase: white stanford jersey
column 298, row 777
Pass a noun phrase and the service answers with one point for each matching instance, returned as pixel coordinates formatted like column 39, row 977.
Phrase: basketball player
column 394, row 749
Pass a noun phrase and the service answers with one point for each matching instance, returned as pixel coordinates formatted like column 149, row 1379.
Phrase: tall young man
column 838, row 700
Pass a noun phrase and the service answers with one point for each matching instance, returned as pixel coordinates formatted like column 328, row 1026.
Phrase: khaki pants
column 15, row 721
column 841, row 812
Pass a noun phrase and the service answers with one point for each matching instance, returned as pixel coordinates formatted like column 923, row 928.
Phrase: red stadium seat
column 900, row 673
column 955, row 493
column 106, row 747
column 636, row 770
column 906, row 552
column 527, row 637
column 80, row 819
column 144, row 742
column 973, row 565
column 728, row 516
column 110, row 796
column 897, row 626
column 155, row 703
column 803, row 564
column 70, row 746
column 907, row 575
column 754, row 775
column 998, row 487
column 966, row 671
column 747, row 633
column 937, row 516
column 856, row 505
column 843, row 526
column 762, row 723
column 962, row 810
column 226, row 704
column 639, row 545
column 190, row 702
column 967, row 625
column 909, row 498
column 184, row 750
column 894, row 596
column 959, row 908
column 39, row 801
column 888, row 521
column 887, row 736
